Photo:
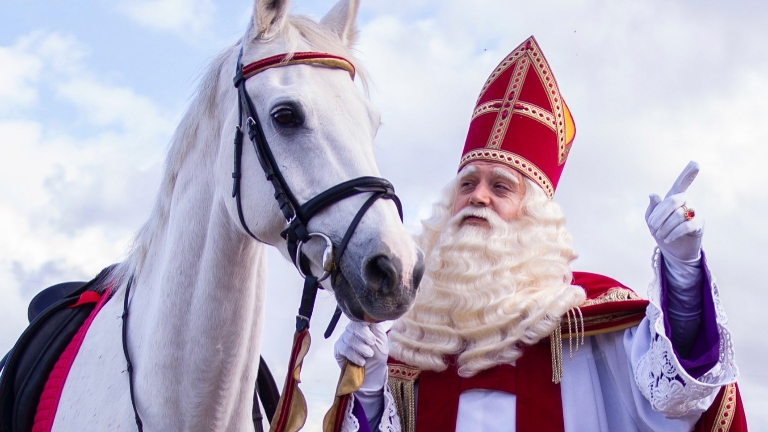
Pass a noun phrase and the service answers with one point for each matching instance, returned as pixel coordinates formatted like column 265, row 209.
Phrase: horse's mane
column 209, row 99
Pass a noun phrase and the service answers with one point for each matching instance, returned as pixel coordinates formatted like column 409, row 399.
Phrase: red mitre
column 521, row 119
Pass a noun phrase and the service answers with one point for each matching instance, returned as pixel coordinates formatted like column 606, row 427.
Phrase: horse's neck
column 196, row 315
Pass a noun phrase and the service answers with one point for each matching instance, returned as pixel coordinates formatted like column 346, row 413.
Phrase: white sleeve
column 658, row 373
column 351, row 422
column 390, row 420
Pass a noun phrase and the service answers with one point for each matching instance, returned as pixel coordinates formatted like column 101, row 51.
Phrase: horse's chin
column 346, row 298
column 350, row 303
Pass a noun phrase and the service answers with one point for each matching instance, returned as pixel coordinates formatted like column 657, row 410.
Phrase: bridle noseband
column 296, row 215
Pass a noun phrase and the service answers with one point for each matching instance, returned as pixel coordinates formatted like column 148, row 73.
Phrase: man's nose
column 480, row 197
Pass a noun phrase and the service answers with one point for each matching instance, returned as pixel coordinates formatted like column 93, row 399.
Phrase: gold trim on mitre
column 526, row 58
column 487, row 107
column 512, row 160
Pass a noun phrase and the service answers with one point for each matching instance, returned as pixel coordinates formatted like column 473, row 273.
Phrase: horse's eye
column 285, row 116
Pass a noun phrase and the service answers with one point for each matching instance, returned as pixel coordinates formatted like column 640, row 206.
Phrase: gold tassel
column 570, row 334
column 581, row 318
column 410, row 402
column 405, row 401
column 402, row 383
column 556, row 344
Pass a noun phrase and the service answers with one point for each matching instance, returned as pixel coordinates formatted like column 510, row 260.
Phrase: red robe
column 610, row 306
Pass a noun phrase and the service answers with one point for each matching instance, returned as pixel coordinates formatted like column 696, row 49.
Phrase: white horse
column 196, row 304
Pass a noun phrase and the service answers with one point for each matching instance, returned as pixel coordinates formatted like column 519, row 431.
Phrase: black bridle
column 296, row 215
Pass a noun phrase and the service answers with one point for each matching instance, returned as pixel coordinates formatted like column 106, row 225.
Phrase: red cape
column 612, row 306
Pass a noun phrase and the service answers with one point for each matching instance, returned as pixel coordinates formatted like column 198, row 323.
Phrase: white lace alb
column 390, row 420
column 659, row 375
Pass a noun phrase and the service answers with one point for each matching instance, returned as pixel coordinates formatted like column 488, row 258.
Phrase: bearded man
column 483, row 347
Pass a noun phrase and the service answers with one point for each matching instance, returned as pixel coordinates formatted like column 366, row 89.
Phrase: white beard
column 488, row 292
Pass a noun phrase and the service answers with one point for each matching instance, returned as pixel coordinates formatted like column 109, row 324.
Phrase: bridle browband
column 296, row 215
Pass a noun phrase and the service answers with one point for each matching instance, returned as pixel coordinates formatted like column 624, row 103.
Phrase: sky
column 91, row 91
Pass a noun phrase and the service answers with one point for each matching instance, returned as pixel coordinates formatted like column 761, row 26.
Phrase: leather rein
column 297, row 216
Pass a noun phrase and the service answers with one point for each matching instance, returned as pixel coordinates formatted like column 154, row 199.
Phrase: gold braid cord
column 402, row 384
column 556, row 341
column 350, row 380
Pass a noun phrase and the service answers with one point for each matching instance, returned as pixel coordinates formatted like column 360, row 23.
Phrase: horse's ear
column 341, row 19
column 269, row 16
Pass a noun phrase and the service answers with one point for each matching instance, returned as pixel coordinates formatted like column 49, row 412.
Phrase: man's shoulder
column 610, row 305
column 603, row 290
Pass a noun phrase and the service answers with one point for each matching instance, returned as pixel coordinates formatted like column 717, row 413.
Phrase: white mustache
column 486, row 213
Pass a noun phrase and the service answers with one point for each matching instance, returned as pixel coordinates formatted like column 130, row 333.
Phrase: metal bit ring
column 327, row 257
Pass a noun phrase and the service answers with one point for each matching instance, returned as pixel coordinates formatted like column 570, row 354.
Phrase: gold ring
column 688, row 213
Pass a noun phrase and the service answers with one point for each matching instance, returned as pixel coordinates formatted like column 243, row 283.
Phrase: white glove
column 365, row 344
column 679, row 239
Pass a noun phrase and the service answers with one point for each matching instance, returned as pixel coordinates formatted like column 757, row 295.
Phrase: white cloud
column 18, row 75
column 71, row 192
column 183, row 17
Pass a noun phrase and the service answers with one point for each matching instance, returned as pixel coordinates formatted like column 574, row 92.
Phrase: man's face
column 492, row 185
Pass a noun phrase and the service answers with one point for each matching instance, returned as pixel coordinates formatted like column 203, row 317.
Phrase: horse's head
column 320, row 130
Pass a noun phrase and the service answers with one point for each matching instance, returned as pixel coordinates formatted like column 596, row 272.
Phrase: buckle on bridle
column 328, row 262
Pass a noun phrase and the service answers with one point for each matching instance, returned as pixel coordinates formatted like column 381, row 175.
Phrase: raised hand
column 673, row 222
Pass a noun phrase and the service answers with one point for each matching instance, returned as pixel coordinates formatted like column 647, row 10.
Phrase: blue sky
column 90, row 93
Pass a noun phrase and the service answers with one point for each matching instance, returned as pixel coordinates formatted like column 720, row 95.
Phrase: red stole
column 539, row 405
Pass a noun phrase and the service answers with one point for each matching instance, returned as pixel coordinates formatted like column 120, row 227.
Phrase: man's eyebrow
column 466, row 172
column 506, row 175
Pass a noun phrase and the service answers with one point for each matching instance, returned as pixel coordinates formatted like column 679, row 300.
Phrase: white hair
column 486, row 295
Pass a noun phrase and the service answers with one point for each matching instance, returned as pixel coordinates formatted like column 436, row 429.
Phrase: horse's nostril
column 381, row 274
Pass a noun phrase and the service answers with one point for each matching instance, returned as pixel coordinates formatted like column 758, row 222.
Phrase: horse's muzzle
column 382, row 293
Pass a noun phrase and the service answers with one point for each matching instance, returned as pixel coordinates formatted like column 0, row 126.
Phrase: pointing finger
column 684, row 179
